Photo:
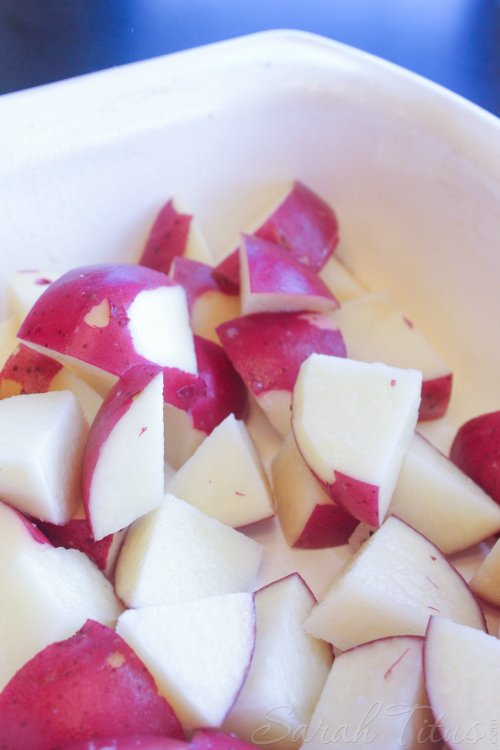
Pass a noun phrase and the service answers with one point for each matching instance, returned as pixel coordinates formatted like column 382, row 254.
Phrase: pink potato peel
column 267, row 349
column 203, row 739
column 304, row 224
column 213, row 394
column 87, row 687
column 167, row 239
column 59, row 319
column 476, row 451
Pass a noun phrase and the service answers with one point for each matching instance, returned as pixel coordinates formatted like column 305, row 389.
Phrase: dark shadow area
column 453, row 42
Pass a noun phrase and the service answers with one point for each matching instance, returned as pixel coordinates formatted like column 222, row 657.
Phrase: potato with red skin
column 203, row 739
column 87, row 687
column 27, row 371
column 212, row 299
column 196, row 404
column 272, row 280
column 476, row 451
column 267, row 349
column 76, row 535
column 303, row 223
column 104, row 319
column 167, row 239
column 122, row 472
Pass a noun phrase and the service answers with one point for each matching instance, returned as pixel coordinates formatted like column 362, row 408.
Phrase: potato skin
column 476, row 451
column 87, row 687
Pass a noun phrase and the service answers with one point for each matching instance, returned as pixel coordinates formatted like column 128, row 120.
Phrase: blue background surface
column 453, row 42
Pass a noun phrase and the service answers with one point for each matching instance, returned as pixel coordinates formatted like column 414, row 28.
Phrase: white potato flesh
column 47, row 596
column 159, row 326
column 225, row 478
column 42, row 438
column 375, row 697
column 288, row 670
column 441, row 502
column 177, row 553
column 198, row 652
column 127, row 481
column 462, row 676
column 392, row 586
column 355, row 418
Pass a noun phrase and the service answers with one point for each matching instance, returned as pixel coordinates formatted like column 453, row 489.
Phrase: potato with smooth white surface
column 48, row 594
column 174, row 233
column 462, row 678
column 396, row 581
column 308, row 518
column 122, row 474
column 267, row 349
column 375, row 697
column 375, row 329
column 95, row 662
column 353, row 423
column 225, row 478
column 17, row 534
column 101, row 320
column 198, row 556
column 288, row 670
column 440, row 501
column 199, row 652
column 42, row 440
column 272, row 280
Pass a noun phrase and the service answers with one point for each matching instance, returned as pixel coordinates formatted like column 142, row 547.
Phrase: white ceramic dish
column 412, row 170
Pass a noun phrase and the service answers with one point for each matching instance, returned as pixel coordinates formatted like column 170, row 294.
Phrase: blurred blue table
column 453, row 42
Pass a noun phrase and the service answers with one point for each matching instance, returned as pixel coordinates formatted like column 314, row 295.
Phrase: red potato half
column 195, row 405
column 212, row 299
column 476, row 451
column 353, row 423
column 122, row 475
column 174, row 233
column 302, row 223
column 272, row 280
column 101, row 320
column 87, row 687
column 267, row 349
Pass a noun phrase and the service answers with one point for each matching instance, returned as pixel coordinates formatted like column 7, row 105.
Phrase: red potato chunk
column 476, row 451
column 87, row 687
